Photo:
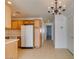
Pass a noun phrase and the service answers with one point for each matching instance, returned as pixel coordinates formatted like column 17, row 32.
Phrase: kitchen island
column 11, row 48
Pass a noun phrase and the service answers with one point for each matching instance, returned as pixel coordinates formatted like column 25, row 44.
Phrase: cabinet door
column 37, row 23
column 14, row 24
column 20, row 22
column 11, row 51
column 28, row 22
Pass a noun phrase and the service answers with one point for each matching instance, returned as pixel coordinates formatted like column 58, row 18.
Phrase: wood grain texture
column 16, row 24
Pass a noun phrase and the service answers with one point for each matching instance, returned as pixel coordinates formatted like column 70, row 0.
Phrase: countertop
column 7, row 41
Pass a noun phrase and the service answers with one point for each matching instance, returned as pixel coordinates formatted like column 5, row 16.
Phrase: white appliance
column 27, row 36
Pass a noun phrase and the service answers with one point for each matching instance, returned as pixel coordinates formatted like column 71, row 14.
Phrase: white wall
column 70, row 25
column 43, row 33
column 60, row 32
column 70, row 35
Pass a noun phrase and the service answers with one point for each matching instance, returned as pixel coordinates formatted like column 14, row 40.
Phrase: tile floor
column 46, row 52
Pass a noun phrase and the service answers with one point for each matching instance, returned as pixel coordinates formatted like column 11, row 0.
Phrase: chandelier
column 56, row 8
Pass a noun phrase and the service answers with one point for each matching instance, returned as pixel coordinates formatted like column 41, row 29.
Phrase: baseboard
column 70, row 52
column 26, row 47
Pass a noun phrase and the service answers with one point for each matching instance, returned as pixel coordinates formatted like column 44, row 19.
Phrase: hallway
column 46, row 52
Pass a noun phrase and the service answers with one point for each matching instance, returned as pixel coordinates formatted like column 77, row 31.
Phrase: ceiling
column 33, row 8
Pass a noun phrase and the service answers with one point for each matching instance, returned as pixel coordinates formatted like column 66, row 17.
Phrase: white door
column 60, row 31
column 27, row 36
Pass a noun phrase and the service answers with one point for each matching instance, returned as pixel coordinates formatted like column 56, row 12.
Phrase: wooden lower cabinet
column 11, row 50
column 19, row 41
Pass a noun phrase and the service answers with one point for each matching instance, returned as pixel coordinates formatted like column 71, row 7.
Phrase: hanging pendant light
column 56, row 8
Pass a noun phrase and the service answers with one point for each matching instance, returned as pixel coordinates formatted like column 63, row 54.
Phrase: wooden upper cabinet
column 16, row 24
column 28, row 22
column 37, row 23
column 20, row 22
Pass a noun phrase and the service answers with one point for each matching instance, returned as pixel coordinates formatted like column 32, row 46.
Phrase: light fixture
column 56, row 7
column 9, row 2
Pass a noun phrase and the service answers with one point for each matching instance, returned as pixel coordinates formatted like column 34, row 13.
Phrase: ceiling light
column 48, row 7
column 9, row 2
column 57, row 8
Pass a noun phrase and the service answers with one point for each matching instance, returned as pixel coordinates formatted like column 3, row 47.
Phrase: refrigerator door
column 27, row 36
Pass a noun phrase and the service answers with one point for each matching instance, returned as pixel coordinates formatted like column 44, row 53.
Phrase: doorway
column 49, row 32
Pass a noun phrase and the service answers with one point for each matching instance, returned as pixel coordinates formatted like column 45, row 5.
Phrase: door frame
column 48, row 31
column 51, row 24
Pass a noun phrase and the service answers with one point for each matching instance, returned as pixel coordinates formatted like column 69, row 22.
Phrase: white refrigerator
column 27, row 36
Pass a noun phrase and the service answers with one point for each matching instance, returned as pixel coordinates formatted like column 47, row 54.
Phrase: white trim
column 27, row 18
column 48, row 24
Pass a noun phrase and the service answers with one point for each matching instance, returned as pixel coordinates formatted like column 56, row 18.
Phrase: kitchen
column 14, row 33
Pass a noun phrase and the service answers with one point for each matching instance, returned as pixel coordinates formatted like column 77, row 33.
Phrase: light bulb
column 48, row 7
column 53, row 11
column 59, row 10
